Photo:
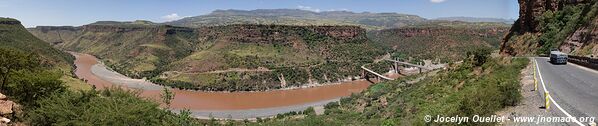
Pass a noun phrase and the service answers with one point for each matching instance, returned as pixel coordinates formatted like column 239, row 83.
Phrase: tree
column 14, row 60
column 479, row 56
column 27, row 87
column 184, row 118
column 167, row 96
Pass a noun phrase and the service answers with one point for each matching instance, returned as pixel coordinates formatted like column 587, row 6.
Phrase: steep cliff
column 444, row 43
column 232, row 57
column 546, row 24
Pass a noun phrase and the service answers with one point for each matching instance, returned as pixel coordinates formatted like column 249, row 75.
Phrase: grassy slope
column 16, row 36
column 462, row 90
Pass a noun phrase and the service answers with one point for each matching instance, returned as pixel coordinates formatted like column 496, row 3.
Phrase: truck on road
column 557, row 57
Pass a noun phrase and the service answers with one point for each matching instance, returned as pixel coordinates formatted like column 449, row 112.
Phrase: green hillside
column 14, row 36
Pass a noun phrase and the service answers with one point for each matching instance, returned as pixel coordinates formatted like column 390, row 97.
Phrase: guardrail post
column 535, row 79
column 547, row 104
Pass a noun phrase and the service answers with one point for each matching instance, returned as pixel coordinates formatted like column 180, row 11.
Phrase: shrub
column 113, row 106
column 479, row 56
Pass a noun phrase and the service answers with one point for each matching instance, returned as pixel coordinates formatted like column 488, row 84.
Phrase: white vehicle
column 557, row 57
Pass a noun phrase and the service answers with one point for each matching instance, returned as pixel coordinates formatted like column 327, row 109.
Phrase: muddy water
column 198, row 100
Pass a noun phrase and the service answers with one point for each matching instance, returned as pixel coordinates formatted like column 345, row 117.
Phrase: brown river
column 238, row 105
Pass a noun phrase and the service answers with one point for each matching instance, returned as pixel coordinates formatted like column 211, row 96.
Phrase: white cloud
column 342, row 9
column 172, row 17
column 437, row 1
column 308, row 8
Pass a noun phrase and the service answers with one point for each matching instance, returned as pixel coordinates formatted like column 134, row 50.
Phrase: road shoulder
column 530, row 104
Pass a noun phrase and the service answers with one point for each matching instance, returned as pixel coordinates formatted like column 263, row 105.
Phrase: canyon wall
column 527, row 37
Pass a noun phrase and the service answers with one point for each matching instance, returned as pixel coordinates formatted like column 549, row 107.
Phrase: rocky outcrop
column 340, row 32
column 445, row 43
column 55, row 35
column 10, row 22
column 287, row 34
column 531, row 10
column 528, row 23
column 7, row 110
column 46, row 29
column 112, row 28
column 584, row 41
column 436, row 31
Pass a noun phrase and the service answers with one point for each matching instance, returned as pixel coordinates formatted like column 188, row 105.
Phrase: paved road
column 573, row 87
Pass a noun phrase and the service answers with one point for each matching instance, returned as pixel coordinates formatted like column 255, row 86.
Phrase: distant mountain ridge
column 476, row 19
column 299, row 17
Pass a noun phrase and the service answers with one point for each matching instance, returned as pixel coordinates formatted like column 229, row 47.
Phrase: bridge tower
column 283, row 82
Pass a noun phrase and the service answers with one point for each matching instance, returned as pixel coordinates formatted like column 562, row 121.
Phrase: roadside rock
column 584, row 41
column 4, row 120
column 6, row 107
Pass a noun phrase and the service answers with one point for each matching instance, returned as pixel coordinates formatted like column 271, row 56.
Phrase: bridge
column 363, row 74
column 397, row 63
column 395, row 67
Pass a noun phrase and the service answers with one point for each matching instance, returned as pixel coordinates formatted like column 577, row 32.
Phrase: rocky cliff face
column 10, row 22
column 531, row 10
column 281, row 34
column 584, row 41
column 8, row 110
column 437, row 31
column 55, row 35
column 523, row 38
column 445, row 43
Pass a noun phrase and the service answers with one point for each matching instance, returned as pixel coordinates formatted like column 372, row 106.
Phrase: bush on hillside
column 113, row 106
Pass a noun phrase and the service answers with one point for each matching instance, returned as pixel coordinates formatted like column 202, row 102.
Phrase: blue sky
column 80, row 12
